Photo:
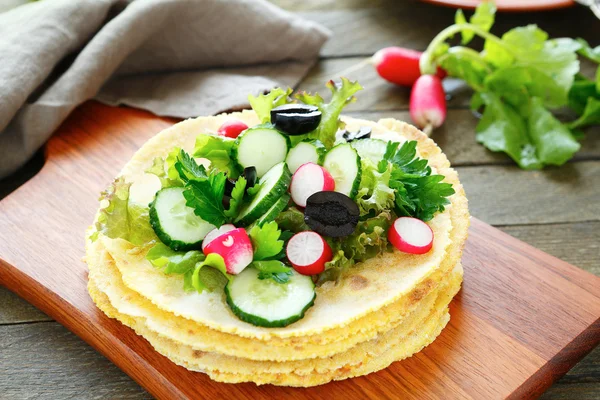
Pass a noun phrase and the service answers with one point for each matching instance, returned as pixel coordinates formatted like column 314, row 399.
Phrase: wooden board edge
column 71, row 318
column 560, row 364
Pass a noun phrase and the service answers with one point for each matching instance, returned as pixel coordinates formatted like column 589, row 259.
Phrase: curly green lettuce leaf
column 341, row 95
column 264, row 103
column 368, row 240
column 374, row 193
column 273, row 269
column 171, row 261
column 217, row 150
column 119, row 218
column 164, row 169
column 292, row 220
column 212, row 278
column 266, row 241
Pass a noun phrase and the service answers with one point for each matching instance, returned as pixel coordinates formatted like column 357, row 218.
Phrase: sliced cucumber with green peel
column 343, row 163
column 305, row 152
column 274, row 211
column 373, row 149
column 261, row 147
column 264, row 302
column 175, row 223
column 273, row 185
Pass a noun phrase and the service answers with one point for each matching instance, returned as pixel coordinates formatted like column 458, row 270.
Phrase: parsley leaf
column 273, row 269
column 265, row 240
column 237, row 196
column 205, row 196
column 188, row 168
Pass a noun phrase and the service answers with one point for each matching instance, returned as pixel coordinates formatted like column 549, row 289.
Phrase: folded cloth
column 180, row 58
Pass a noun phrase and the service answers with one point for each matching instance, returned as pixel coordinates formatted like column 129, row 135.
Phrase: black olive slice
column 251, row 177
column 296, row 119
column 331, row 214
column 363, row 133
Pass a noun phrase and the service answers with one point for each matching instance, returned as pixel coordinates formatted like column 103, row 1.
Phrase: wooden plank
column 507, row 195
column 15, row 310
column 49, row 362
column 457, row 138
column 362, row 28
column 499, row 341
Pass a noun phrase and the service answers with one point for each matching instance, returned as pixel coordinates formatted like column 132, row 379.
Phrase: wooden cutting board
column 522, row 319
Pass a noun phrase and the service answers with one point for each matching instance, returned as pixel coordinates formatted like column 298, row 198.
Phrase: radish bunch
column 427, row 98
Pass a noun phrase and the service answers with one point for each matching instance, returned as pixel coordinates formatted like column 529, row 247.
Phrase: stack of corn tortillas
column 382, row 310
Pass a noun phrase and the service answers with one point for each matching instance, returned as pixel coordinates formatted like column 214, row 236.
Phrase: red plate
column 508, row 5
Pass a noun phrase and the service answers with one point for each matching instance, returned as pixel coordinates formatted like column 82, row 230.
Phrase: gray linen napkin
column 180, row 58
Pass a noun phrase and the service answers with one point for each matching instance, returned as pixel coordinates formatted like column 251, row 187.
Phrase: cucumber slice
column 343, row 163
column 274, row 211
column 264, row 302
column 304, row 152
column 261, row 147
column 373, row 149
column 175, row 223
column 273, row 185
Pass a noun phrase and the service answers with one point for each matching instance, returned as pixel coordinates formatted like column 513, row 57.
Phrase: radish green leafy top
column 517, row 79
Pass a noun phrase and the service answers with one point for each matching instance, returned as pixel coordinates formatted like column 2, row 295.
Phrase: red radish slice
column 428, row 103
column 235, row 247
column 400, row 66
column 309, row 179
column 210, row 236
column 411, row 235
column 232, row 128
column 308, row 252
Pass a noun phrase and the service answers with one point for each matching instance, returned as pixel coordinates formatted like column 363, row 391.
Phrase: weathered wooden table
column 556, row 210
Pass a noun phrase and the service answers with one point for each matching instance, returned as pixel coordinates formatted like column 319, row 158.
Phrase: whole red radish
column 235, row 247
column 232, row 128
column 428, row 103
column 309, row 179
column 400, row 66
column 411, row 235
column 308, row 252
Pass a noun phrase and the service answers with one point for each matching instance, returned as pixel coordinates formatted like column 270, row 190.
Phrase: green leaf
column 589, row 116
column 237, row 196
column 217, row 150
column 341, row 95
column 188, row 168
column 212, row 278
column 292, row 220
column 265, row 240
column 588, row 52
column 160, row 168
column 466, row 65
column 579, row 94
column 205, row 196
column 118, row 218
column 264, row 103
column 273, row 269
column 483, row 18
column 553, row 141
column 171, row 261
column 502, row 128
column 374, row 193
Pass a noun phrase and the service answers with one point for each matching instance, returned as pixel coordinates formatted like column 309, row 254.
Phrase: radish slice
column 210, row 236
column 235, row 247
column 232, row 128
column 411, row 235
column 428, row 103
column 308, row 252
column 309, row 179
